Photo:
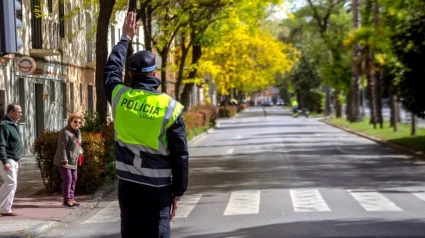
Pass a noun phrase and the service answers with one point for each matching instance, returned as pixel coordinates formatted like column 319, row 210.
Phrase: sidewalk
column 38, row 213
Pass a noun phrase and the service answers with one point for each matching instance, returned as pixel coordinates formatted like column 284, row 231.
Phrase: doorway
column 39, row 109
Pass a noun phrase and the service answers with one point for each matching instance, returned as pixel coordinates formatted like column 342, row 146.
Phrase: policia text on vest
column 147, row 111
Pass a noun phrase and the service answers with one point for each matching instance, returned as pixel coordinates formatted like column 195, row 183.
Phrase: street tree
column 406, row 21
column 247, row 59
column 353, row 114
column 201, row 14
column 105, row 11
column 318, row 30
column 161, row 21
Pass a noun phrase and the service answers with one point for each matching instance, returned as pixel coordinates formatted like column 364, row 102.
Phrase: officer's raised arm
column 113, row 72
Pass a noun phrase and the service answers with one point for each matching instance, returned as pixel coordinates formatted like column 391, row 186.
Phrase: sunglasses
column 77, row 122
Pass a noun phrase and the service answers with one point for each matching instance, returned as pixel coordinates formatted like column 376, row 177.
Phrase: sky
column 282, row 11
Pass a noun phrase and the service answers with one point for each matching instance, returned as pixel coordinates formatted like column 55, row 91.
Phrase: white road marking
column 229, row 151
column 186, row 205
column 374, row 202
column 308, row 201
column 420, row 195
column 238, row 137
column 111, row 213
column 243, row 202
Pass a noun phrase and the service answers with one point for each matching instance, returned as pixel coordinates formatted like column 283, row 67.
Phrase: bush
column 193, row 120
column 227, row 111
column 99, row 161
column 209, row 113
column 45, row 148
column 91, row 122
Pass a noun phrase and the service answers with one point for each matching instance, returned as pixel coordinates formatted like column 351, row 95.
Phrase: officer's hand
column 129, row 27
column 6, row 167
column 174, row 208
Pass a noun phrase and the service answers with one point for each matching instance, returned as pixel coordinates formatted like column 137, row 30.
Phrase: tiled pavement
column 36, row 212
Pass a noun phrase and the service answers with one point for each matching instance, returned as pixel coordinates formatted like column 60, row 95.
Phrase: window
column 69, row 27
column 37, row 33
column 64, row 96
column 81, row 93
column 62, row 19
column 90, row 97
column 50, row 5
column 71, row 97
column 89, row 42
column 22, row 97
column 52, row 91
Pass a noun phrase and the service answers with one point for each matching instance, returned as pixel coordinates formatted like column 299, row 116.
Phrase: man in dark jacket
column 10, row 153
column 150, row 143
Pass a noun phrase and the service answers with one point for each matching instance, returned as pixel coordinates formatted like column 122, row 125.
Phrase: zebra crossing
column 303, row 200
column 248, row 202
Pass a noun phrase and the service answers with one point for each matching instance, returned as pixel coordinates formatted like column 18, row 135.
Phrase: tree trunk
column 338, row 106
column 185, row 51
column 355, row 79
column 393, row 102
column 327, row 101
column 413, row 132
column 378, row 95
column 348, row 105
column 145, row 14
column 372, row 90
column 105, row 11
column 164, row 55
column 185, row 97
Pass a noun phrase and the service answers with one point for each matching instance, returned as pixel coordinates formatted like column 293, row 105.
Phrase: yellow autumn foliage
column 247, row 60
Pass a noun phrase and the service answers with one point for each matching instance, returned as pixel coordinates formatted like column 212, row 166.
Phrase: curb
column 35, row 232
column 398, row 148
column 209, row 131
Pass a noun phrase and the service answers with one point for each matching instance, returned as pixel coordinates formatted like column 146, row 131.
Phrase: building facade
column 53, row 73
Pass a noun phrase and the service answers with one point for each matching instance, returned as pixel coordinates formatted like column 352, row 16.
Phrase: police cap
column 142, row 61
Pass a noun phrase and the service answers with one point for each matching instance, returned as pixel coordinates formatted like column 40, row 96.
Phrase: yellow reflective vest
column 141, row 121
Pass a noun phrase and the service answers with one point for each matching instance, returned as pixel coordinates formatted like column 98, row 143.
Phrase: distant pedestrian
column 150, row 142
column 10, row 153
column 67, row 157
column 294, row 104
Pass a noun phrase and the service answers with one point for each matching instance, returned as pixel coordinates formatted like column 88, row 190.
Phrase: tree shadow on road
column 356, row 228
column 366, row 166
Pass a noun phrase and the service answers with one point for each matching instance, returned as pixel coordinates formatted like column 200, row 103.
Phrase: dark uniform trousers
column 145, row 210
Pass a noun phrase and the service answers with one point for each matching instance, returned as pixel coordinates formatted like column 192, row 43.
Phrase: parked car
column 232, row 102
column 279, row 102
column 267, row 104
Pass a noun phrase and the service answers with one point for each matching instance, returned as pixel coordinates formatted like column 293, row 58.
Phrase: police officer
column 150, row 142
column 294, row 104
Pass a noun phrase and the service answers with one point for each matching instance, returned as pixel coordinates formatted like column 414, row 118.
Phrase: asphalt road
column 277, row 176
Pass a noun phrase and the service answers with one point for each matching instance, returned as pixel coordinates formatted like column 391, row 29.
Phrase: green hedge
column 99, row 154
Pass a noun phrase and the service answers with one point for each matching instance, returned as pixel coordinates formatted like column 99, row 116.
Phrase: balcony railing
column 45, row 37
